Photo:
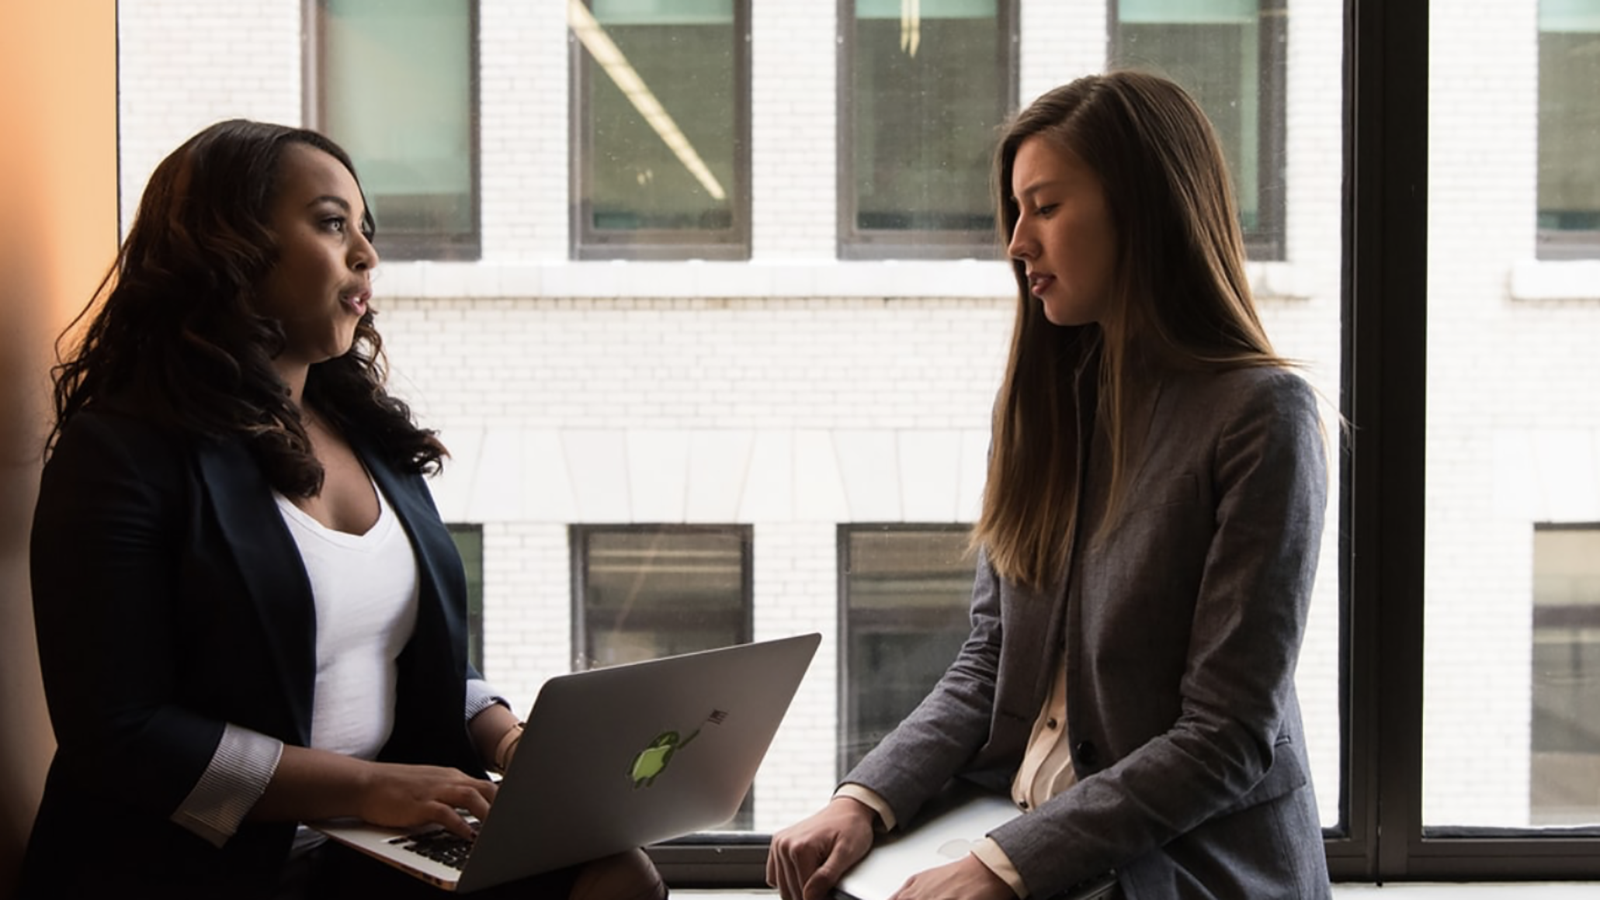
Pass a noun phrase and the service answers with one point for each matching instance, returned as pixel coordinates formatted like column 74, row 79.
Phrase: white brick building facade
column 794, row 392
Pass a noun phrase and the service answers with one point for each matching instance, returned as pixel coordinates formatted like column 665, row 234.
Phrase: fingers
column 456, row 803
column 407, row 796
column 789, row 862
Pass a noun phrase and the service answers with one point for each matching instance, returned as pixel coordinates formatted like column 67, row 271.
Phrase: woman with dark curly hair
column 249, row 613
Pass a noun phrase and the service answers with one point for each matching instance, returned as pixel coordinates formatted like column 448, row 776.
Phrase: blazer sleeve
column 1232, row 743
column 105, row 558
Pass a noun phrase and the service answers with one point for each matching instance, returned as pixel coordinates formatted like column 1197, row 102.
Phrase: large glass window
column 1510, row 681
column 661, row 167
column 1569, row 126
column 647, row 591
column 1232, row 55
column 923, row 86
column 394, row 82
column 904, row 592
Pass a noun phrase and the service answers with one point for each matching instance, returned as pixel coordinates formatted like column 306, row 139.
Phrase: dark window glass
column 924, row 86
column 469, row 543
column 394, row 81
column 1230, row 54
column 1569, row 128
column 661, row 168
column 1565, row 780
column 905, row 590
column 648, row 591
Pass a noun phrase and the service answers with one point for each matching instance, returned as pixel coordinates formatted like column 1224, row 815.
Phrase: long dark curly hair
column 173, row 328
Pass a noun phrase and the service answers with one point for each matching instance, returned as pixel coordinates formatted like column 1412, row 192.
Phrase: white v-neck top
column 365, row 589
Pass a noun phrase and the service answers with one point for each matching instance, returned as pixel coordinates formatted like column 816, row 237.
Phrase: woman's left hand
column 965, row 879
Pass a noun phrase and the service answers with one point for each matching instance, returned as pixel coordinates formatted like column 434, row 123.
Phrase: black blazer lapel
column 270, row 569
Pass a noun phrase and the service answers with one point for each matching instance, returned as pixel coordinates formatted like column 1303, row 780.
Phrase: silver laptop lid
column 633, row 754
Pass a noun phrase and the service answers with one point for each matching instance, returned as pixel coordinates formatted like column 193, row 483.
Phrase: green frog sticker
column 652, row 760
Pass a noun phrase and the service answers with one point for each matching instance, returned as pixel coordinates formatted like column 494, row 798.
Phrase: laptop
column 943, row 832
column 614, row 758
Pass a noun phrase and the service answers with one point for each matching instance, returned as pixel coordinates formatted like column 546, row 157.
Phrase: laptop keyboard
column 440, row 846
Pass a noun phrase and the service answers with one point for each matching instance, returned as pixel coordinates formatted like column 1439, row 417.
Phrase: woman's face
column 1063, row 234
column 322, row 282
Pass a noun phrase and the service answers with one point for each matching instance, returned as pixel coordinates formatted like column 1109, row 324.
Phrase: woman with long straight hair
column 1148, row 544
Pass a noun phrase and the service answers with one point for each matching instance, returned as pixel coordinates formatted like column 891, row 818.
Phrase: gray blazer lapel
column 269, row 565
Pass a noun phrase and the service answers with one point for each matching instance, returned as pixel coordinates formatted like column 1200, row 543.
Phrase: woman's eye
column 1046, row 210
column 334, row 223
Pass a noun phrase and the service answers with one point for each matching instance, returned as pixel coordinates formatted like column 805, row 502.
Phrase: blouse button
column 1087, row 753
column 1050, row 724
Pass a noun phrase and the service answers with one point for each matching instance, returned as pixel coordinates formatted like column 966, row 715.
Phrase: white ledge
column 962, row 278
column 1544, row 279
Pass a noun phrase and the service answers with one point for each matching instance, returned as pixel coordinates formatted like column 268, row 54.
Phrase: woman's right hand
column 404, row 796
column 310, row 785
column 807, row 858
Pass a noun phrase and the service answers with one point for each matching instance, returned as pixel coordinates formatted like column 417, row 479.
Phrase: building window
column 469, row 544
column 1232, row 56
column 661, row 129
column 1569, row 128
column 647, row 591
column 904, row 592
column 923, row 86
column 394, row 82
column 1564, row 787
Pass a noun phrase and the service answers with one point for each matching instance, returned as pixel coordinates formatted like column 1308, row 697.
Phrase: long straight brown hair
column 1181, row 303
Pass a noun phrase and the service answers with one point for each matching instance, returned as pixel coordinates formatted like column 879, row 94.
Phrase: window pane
column 1230, row 55
column 1569, row 120
column 906, row 592
column 649, row 592
column 395, row 88
column 469, row 543
column 1565, row 783
column 1513, row 453
column 659, row 144
column 927, row 85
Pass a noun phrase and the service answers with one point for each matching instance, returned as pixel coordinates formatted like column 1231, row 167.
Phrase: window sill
column 960, row 278
column 1542, row 279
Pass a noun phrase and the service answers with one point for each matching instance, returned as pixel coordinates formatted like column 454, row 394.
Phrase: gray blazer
column 1181, row 629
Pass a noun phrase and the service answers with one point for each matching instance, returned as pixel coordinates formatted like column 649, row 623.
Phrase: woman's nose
column 1021, row 246
column 365, row 255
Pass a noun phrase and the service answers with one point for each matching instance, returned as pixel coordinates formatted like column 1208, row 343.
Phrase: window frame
column 1268, row 241
column 855, row 243
column 1553, row 244
column 475, row 597
column 588, row 243
column 844, row 532
column 578, row 546
column 460, row 247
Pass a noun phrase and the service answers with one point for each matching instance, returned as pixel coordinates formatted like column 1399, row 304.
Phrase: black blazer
column 169, row 599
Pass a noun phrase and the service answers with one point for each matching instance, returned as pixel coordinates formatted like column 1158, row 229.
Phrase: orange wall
column 58, row 231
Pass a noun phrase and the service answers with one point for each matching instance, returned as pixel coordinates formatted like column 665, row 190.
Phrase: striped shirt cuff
column 231, row 784
column 480, row 696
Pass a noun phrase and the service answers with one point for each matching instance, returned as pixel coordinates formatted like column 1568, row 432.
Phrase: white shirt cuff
column 480, row 696
column 235, row 779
